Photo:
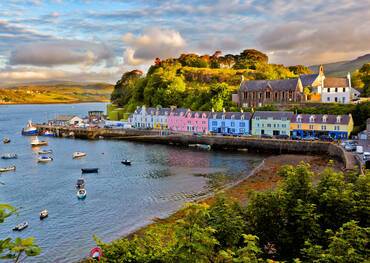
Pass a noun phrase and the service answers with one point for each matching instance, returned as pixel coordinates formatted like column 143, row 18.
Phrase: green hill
column 343, row 67
column 55, row 92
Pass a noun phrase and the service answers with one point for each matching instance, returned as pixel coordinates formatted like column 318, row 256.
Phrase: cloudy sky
column 91, row 40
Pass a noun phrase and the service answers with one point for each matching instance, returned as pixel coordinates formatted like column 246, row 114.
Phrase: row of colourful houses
column 242, row 123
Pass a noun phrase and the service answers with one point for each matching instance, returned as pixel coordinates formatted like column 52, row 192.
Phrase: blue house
column 229, row 122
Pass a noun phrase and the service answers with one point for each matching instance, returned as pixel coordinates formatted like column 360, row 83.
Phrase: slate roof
column 161, row 111
column 200, row 113
column 308, row 79
column 276, row 115
column 335, row 82
column 318, row 118
column 277, row 85
column 64, row 117
column 229, row 115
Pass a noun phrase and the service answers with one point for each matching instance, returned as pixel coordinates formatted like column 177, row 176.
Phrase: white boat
column 29, row 129
column 78, row 155
column 201, row 146
column 7, row 169
column 9, row 156
column 81, row 193
column 44, row 214
column 37, row 142
column 44, row 159
column 20, row 226
column 49, row 133
column 6, row 140
column 45, row 152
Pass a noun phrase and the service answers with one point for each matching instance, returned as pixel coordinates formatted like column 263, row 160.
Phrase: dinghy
column 44, row 159
column 81, row 193
column 78, row 155
column 7, row 169
column 44, row 214
column 80, row 183
column 89, row 170
column 37, row 142
column 45, row 152
column 126, row 162
column 6, row 140
column 96, row 253
column 20, row 226
column 49, row 133
column 29, row 130
column 9, row 156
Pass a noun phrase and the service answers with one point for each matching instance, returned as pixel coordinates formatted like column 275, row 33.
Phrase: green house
column 271, row 122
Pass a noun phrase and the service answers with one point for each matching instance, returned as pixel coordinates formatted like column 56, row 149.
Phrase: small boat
column 78, row 155
column 96, row 253
column 45, row 152
column 7, row 169
column 80, row 183
column 6, row 140
column 9, row 156
column 89, row 170
column 29, row 130
column 49, row 133
column 201, row 146
column 44, row 159
column 20, row 226
column 126, row 162
column 81, row 193
column 37, row 142
column 44, row 214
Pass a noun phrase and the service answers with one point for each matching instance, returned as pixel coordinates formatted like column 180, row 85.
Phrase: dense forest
column 308, row 218
column 197, row 82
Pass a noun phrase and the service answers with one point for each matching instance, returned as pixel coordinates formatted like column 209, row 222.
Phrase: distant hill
column 55, row 92
column 343, row 67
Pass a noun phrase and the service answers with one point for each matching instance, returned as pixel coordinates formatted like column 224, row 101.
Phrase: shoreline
column 263, row 177
column 45, row 103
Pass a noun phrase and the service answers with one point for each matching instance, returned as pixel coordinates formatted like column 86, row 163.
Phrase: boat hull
column 89, row 170
column 29, row 132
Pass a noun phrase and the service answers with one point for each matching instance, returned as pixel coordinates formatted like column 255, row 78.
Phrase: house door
column 262, row 131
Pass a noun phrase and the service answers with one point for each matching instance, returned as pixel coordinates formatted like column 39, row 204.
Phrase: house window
column 338, row 119
column 324, row 118
column 323, row 127
column 336, row 128
column 269, row 125
column 241, row 124
column 257, row 118
column 232, row 124
column 214, row 123
column 312, row 119
column 258, row 124
column 336, row 89
column 299, row 119
column 328, row 99
column 222, row 123
column 344, row 99
column 241, row 130
column 268, row 95
column 282, row 125
column 311, row 127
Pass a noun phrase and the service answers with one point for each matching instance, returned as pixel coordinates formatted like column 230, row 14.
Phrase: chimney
column 223, row 110
column 213, row 110
column 349, row 80
column 241, row 110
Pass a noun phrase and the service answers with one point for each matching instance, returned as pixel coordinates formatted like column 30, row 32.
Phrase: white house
column 337, row 90
column 66, row 120
column 152, row 118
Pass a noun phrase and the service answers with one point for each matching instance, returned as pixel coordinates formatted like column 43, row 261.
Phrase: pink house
column 184, row 120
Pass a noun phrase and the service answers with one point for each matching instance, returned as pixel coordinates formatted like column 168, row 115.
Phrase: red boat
column 96, row 253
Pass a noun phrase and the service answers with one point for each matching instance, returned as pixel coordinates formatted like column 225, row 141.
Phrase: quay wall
column 252, row 144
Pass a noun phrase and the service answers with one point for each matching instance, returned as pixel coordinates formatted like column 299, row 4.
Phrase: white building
column 151, row 118
column 337, row 90
column 66, row 120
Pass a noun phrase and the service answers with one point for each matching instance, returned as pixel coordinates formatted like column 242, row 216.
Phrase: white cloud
column 154, row 42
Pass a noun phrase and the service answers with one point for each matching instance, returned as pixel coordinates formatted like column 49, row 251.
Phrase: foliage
column 361, row 79
column 298, row 222
column 300, row 70
column 19, row 248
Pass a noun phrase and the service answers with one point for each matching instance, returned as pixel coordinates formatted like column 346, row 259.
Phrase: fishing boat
column 44, row 214
column 6, row 140
column 81, row 193
column 45, row 152
column 49, row 133
column 44, row 159
column 29, row 130
column 89, row 170
column 201, row 146
column 96, row 253
column 37, row 142
column 78, row 155
column 126, row 162
column 9, row 156
column 80, row 183
column 7, row 169
column 20, row 226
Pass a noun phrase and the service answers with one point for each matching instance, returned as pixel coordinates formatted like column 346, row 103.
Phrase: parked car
column 326, row 138
column 309, row 138
column 359, row 149
column 296, row 137
column 366, row 156
column 350, row 147
column 282, row 136
column 266, row 136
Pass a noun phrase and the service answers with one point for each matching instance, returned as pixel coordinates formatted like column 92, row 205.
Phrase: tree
column 19, row 248
column 300, row 70
column 220, row 96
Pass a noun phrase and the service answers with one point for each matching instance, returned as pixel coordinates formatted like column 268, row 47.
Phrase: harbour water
column 119, row 199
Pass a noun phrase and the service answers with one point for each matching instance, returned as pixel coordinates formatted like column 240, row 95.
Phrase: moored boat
column 37, row 142
column 7, row 169
column 20, row 226
column 29, row 130
column 89, row 170
column 45, row 152
column 201, row 146
column 126, row 162
column 6, row 140
column 44, row 159
column 81, row 193
column 9, row 156
column 44, row 214
column 80, row 183
column 49, row 133
column 96, row 253
column 78, row 155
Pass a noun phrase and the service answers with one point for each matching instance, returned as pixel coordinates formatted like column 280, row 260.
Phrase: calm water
column 119, row 199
